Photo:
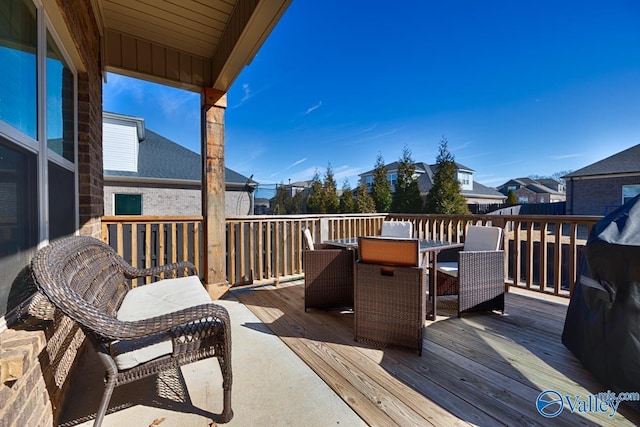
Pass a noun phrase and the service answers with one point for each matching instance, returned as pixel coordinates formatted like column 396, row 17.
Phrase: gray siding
column 120, row 145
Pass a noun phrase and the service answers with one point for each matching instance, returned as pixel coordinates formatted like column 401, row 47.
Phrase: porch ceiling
column 185, row 43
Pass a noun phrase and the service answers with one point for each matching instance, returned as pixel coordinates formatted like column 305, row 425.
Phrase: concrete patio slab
column 271, row 386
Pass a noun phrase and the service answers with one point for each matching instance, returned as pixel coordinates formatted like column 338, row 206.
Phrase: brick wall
column 90, row 154
column 81, row 23
column 37, row 358
column 237, row 203
column 159, row 200
column 25, row 401
column 593, row 196
column 524, row 195
column 169, row 200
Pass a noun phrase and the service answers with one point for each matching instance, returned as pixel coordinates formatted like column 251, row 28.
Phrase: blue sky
column 518, row 88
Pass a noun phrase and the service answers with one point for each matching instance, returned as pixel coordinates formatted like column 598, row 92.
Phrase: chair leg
column 104, row 404
column 227, row 412
column 223, row 351
column 110, row 383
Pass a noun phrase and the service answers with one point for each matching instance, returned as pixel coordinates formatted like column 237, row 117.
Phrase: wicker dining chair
column 390, row 293
column 328, row 275
column 136, row 332
column 475, row 273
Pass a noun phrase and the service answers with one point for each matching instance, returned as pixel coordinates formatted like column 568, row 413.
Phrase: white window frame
column 392, row 177
column 128, row 194
column 368, row 180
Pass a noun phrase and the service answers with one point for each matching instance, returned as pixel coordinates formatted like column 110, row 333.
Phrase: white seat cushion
column 478, row 238
column 481, row 238
column 450, row 268
column 397, row 229
column 308, row 238
column 155, row 299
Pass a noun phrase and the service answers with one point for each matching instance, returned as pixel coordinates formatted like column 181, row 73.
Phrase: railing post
column 324, row 229
column 214, row 103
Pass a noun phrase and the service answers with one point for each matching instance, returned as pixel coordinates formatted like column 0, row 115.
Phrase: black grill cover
column 602, row 327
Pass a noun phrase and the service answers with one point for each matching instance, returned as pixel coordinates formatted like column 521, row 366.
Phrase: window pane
column 18, row 82
column 18, row 220
column 60, row 136
column 128, row 204
column 62, row 202
column 629, row 192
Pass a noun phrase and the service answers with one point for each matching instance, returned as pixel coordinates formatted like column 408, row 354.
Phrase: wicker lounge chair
column 474, row 273
column 136, row 332
column 328, row 275
column 390, row 293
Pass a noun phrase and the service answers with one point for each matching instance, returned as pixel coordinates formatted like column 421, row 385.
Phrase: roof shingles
column 627, row 161
column 161, row 158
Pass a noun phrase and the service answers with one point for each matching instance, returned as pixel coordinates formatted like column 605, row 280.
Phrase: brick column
column 91, row 180
column 214, row 103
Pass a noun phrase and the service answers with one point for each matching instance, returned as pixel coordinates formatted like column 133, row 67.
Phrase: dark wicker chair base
column 480, row 283
column 86, row 280
column 328, row 277
column 390, row 305
column 447, row 284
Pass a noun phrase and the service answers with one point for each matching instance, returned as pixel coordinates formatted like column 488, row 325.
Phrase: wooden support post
column 214, row 103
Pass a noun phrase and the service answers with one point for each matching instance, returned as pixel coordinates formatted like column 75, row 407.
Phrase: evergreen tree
column 330, row 198
column 281, row 201
column 406, row 198
column 297, row 203
column 445, row 196
column 364, row 201
column 381, row 191
column 347, row 204
column 314, row 199
column 511, row 198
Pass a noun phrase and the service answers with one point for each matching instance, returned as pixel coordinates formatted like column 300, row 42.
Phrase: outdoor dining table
column 428, row 248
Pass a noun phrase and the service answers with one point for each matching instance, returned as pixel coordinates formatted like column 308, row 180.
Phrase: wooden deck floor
column 481, row 370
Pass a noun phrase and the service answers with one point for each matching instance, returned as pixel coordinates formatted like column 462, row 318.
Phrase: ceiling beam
column 245, row 32
column 248, row 28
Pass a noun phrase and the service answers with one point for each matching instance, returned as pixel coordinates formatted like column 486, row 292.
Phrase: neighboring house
column 474, row 192
column 598, row 188
column 147, row 174
column 292, row 188
column 261, row 206
column 554, row 185
column 296, row 187
column 528, row 190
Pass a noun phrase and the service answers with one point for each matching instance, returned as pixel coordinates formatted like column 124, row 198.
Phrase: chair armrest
column 482, row 266
column 129, row 330
column 318, row 259
column 449, row 255
column 326, row 246
column 177, row 269
column 481, row 284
